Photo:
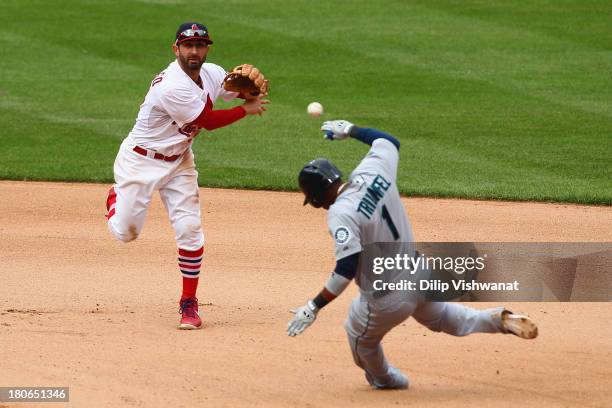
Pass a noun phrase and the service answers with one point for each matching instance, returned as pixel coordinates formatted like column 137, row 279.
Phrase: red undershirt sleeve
column 213, row 119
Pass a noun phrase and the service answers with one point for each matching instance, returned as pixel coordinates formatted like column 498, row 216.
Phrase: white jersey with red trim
column 174, row 100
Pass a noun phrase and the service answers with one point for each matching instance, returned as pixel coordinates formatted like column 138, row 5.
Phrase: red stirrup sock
column 190, row 263
column 111, row 200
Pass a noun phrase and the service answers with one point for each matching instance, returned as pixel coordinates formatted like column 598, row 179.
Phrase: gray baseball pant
column 368, row 322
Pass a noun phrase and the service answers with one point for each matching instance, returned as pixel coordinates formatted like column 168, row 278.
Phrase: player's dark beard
column 191, row 63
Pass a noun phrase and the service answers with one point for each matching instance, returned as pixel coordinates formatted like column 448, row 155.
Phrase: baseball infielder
column 157, row 155
column 367, row 209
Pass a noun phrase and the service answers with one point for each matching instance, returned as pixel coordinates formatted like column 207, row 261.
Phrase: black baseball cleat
column 519, row 325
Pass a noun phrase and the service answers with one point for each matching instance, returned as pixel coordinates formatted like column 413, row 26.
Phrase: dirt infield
column 79, row 309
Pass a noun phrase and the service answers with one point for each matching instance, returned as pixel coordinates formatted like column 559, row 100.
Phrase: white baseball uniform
column 157, row 155
column 368, row 211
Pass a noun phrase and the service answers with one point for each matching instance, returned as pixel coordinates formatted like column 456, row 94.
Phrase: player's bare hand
column 304, row 317
column 255, row 106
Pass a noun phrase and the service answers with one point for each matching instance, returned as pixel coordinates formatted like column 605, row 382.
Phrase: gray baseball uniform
column 367, row 211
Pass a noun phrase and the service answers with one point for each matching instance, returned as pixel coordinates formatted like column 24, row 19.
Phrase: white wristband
column 312, row 306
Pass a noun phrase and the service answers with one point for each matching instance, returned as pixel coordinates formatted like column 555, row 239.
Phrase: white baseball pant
column 137, row 177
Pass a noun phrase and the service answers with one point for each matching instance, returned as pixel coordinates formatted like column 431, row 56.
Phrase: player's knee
column 189, row 232
column 432, row 322
column 124, row 234
column 453, row 320
column 433, row 325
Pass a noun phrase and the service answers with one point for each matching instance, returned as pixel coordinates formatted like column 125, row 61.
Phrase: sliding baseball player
column 364, row 210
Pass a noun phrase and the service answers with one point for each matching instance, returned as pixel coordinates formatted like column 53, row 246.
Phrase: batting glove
column 337, row 129
column 304, row 317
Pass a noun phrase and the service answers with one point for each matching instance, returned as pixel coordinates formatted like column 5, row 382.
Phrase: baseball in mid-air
column 315, row 109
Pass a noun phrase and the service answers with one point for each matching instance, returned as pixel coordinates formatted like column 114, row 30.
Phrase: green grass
column 505, row 101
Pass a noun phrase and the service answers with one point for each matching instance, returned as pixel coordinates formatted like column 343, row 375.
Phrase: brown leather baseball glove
column 247, row 80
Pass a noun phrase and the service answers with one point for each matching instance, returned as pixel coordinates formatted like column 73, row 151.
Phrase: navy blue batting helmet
column 315, row 178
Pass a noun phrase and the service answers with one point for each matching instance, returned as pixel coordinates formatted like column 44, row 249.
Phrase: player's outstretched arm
column 213, row 119
column 341, row 129
column 337, row 282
